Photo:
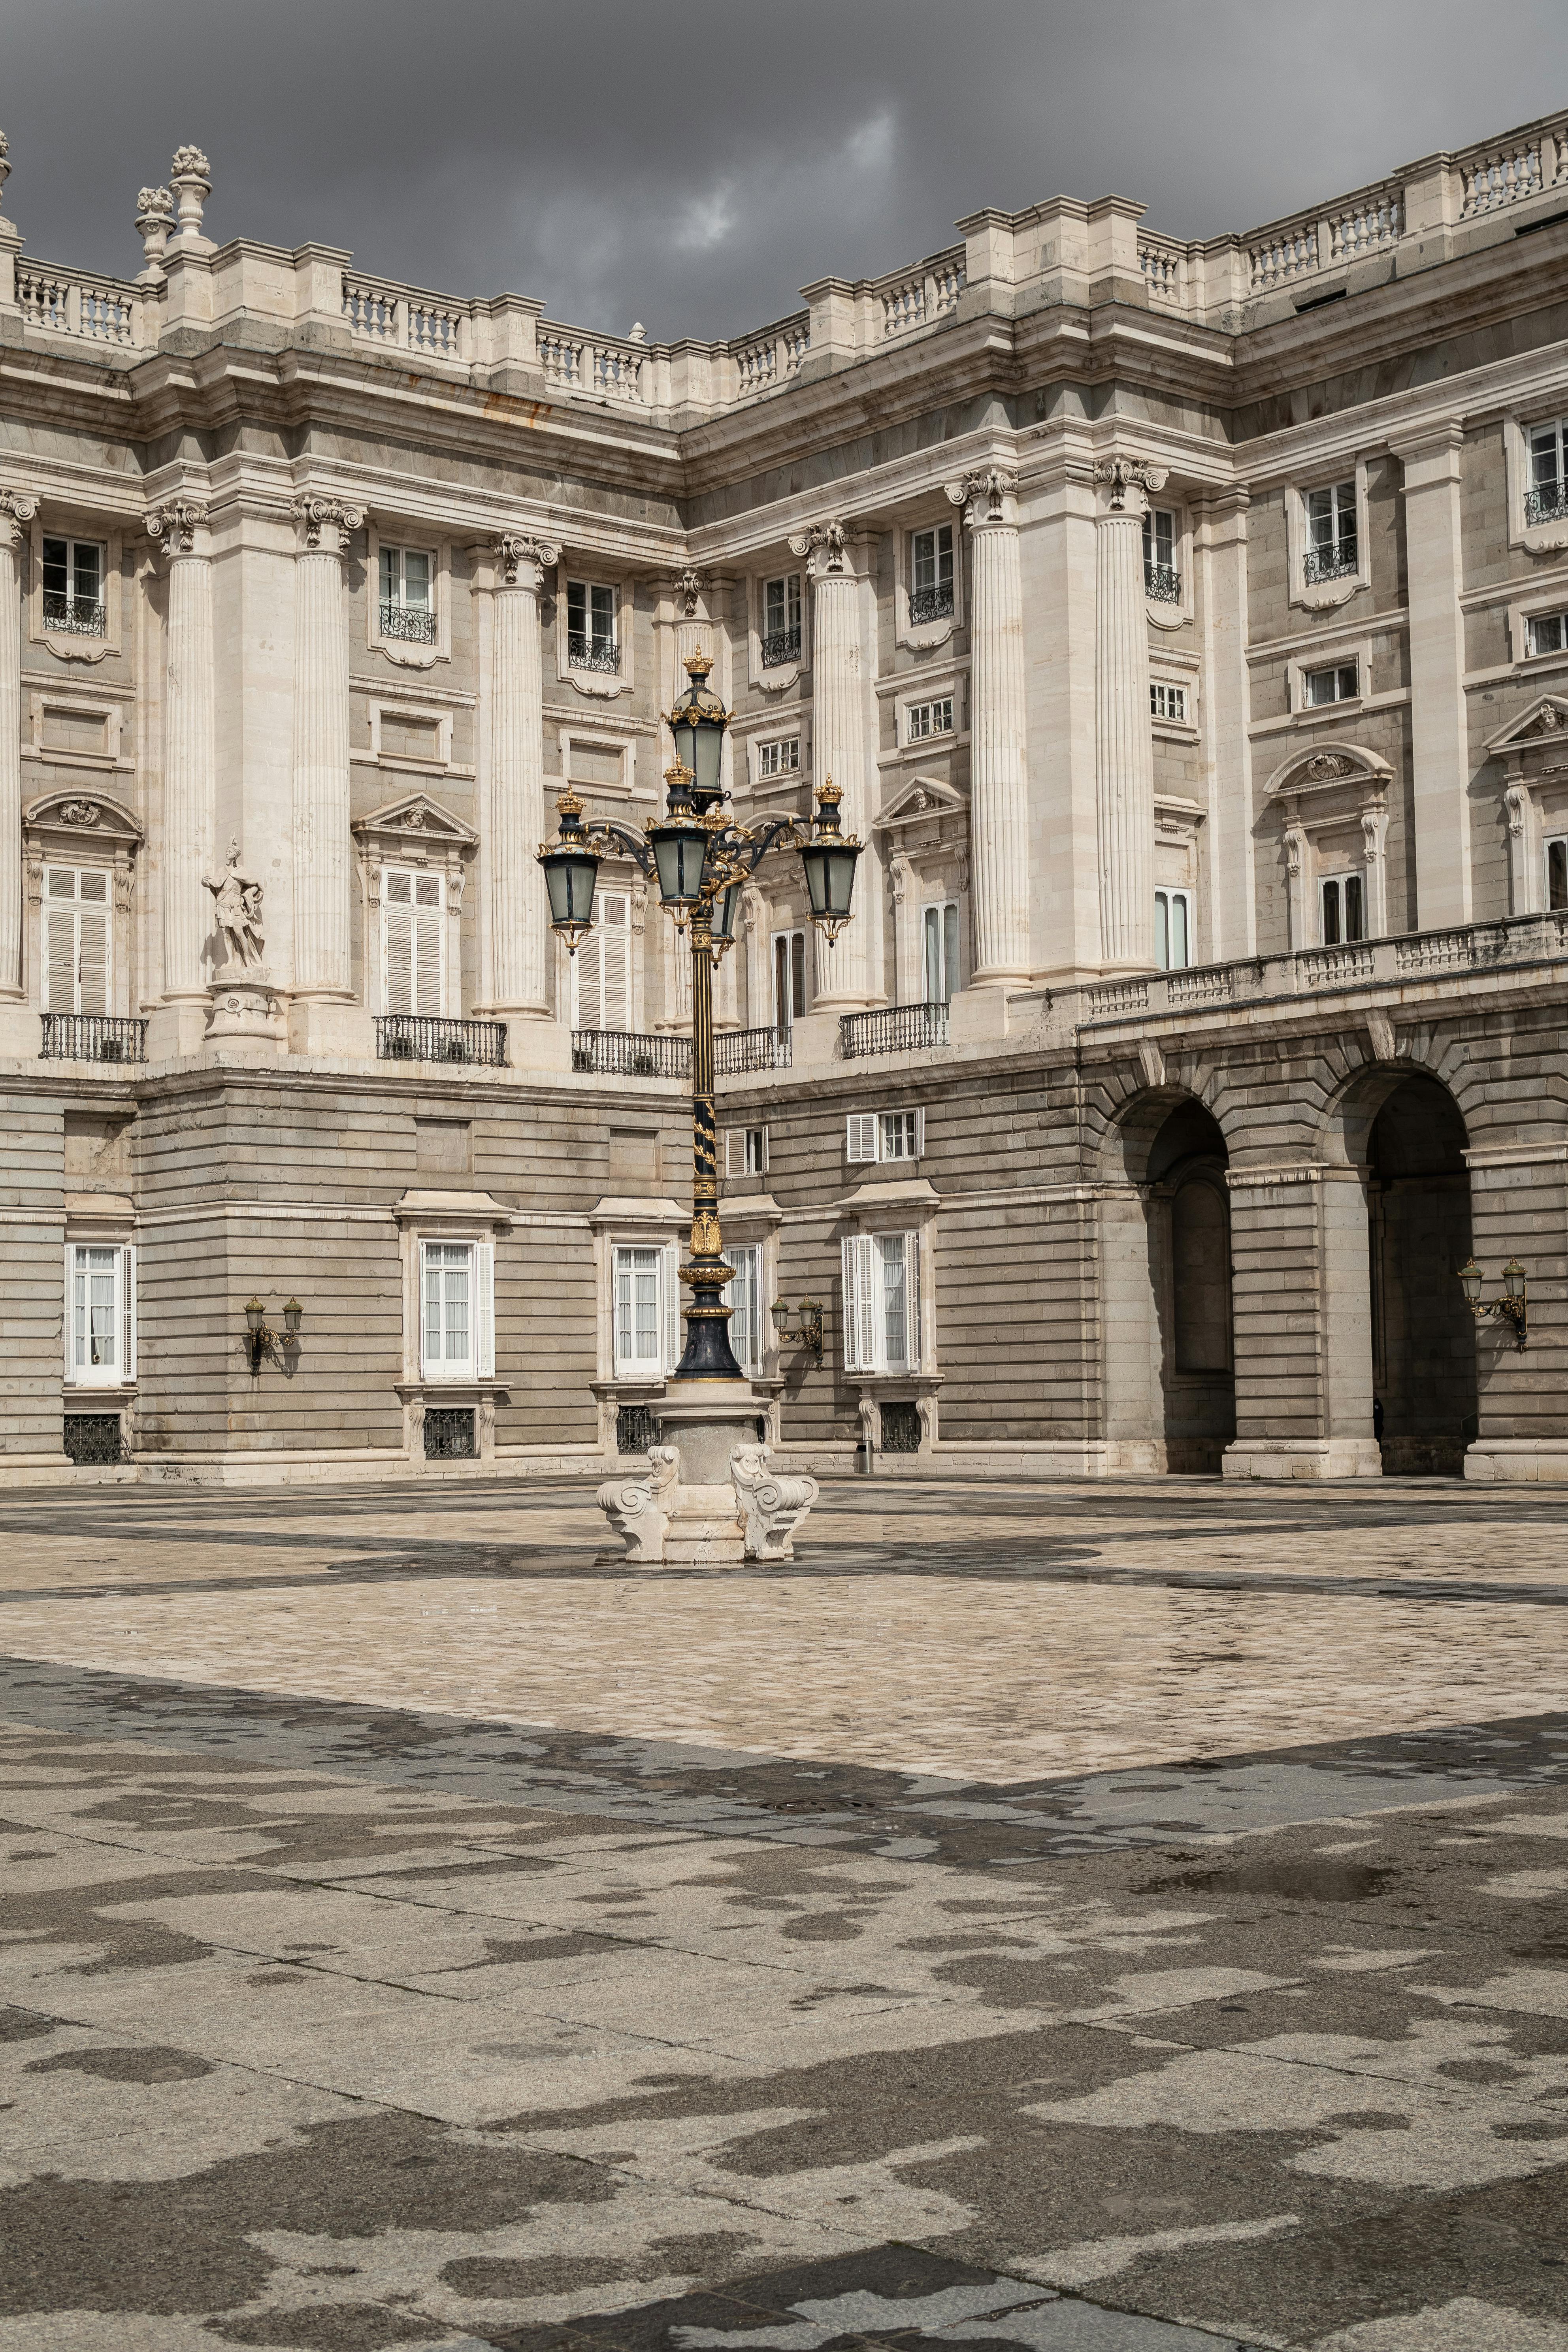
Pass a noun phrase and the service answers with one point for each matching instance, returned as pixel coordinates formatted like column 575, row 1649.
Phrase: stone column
column 1124, row 744
column 16, row 511
column 321, row 977
column 190, row 762
column 1439, row 720
column 514, row 821
column 998, row 794
column 850, row 978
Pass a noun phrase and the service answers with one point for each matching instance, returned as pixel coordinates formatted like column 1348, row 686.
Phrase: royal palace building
column 1185, row 626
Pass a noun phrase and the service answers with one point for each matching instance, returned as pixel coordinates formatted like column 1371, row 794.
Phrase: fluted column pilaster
column 16, row 511
column 513, row 821
column 998, row 791
column 850, row 973
column 190, row 746
column 1124, row 743
column 321, row 842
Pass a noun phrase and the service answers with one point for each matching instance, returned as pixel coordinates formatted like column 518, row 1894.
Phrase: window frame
column 947, row 933
column 1323, row 595
column 1174, row 894
column 799, row 990
column 742, row 1156
column 410, row 653
column 1558, row 842
column 122, row 1316
column 662, row 1365
column 1167, row 687
column 748, row 1260
column 873, row 1127
column 52, row 905
column 390, row 910
column 863, row 1297
column 99, row 604
column 761, row 774
column 1343, row 882
column 925, row 634
column 934, row 733
column 478, row 1363
column 601, row 932
column 791, row 631
column 597, row 683
column 66, row 643
column 1337, row 671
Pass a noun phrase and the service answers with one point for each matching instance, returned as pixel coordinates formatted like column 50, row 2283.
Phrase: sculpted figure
column 236, row 908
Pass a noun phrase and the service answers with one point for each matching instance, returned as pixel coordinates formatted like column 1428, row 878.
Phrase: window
column 591, row 626
column 927, row 719
column 1331, row 549
column 1549, row 633
column 941, row 926
column 412, row 920
column 602, row 967
column 746, row 1151
column 73, row 586
column 885, row 1135
column 1341, row 905
column 407, row 607
column 781, row 621
column 1546, row 500
column 881, row 1302
column 101, row 1313
column 457, row 1292
column 1162, row 580
column 930, row 575
column 746, row 1306
column 780, row 757
column 77, row 905
column 1557, row 872
column 789, row 980
column 1172, row 929
column 645, row 1310
column 1341, row 682
column 1167, row 701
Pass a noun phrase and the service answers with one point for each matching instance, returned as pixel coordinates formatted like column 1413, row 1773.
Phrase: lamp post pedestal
column 709, row 1498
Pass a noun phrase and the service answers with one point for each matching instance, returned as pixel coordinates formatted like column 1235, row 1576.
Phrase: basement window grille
column 449, row 1433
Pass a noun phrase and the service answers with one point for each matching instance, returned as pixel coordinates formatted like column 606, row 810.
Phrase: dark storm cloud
column 694, row 166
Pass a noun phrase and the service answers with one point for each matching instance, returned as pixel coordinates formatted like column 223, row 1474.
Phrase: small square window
column 1166, row 701
column 746, row 1151
column 927, row 719
column 1548, row 633
column 779, row 757
column 1340, row 682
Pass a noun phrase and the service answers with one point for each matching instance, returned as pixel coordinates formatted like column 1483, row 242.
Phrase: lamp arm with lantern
column 702, row 860
column 1510, row 1307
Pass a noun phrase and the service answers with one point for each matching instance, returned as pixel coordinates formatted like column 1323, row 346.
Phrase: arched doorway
column 1189, row 1243
column 1419, row 1232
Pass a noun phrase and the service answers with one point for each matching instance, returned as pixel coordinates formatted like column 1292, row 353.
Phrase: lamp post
column 702, row 860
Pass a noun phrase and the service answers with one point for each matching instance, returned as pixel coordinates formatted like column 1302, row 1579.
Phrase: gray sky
column 694, row 166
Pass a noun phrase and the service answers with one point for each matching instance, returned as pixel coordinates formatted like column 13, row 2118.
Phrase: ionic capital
column 988, row 498
column 175, row 525
column 521, row 560
column 325, row 524
column 822, row 546
column 17, row 508
column 1128, row 484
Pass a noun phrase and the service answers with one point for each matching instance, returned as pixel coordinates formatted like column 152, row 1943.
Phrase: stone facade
column 1187, row 627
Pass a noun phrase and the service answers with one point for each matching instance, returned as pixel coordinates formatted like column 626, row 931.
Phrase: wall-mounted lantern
column 261, row 1340
column 809, row 1334
column 1510, row 1307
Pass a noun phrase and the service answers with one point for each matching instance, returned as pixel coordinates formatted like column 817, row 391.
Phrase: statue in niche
column 236, row 910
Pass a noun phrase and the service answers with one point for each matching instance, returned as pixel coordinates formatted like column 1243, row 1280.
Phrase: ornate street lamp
column 702, row 860
column 1510, row 1308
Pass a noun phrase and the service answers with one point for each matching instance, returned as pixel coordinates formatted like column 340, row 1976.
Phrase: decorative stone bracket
column 663, row 1523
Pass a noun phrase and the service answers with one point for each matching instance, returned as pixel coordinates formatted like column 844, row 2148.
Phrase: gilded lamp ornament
column 702, row 860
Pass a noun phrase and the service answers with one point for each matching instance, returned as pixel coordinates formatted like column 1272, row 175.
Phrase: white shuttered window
column 602, row 967
column 645, row 1311
column 881, row 1302
column 77, row 906
column 101, row 1313
column 746, row 1306
column 413, row 923
column 456, row 1310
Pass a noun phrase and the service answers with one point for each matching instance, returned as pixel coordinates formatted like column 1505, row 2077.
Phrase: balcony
column 1322, row 564
column 1546, row 503
column 1161, row 585
column 414, row 623
column 780, row 647
column 415, row 1037
column 930, row 604
column 70, row 616
column 92, row 1037
column 593, row 653
column 897, row 1029
column 739, row 1050
column 622, row 1054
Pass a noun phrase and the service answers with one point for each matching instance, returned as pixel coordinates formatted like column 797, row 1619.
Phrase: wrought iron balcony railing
column 92, row 1037
column 736, row 1050
column 1161, row 585
column 1339, row 562
column 419, row 1037
column 623, row 1053
column 780, row 646
column 897, row 1029
column 1547, row 503
column 930, row 604
column 414, row 623
column 593, row 653
column 72, row 617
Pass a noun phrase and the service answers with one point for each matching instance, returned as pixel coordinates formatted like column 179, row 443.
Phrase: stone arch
column 1400, row 1342
column 1165, row 1276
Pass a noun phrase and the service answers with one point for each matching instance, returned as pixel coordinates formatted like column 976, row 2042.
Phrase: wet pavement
column 1045, row 1918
